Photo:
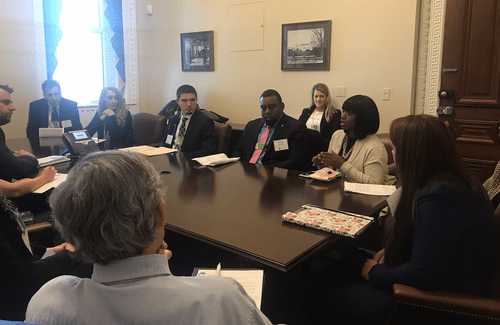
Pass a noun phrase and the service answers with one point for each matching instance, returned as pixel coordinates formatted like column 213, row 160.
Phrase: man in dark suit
column 276, row 138
column 195, row 134
column 52, row 111
column 12, row 165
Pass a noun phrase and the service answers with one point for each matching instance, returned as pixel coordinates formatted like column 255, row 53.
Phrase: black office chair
column 222, row 135
column 149, row 129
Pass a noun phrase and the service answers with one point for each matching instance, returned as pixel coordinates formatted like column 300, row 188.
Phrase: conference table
column 238, row 206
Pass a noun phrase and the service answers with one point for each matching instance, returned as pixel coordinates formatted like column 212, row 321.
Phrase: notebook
column 334, row 221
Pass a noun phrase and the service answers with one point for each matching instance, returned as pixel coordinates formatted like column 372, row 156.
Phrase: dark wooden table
column 42, row 148
column 238, row 207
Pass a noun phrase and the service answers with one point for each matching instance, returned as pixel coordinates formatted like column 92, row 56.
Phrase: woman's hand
column 164, row 251
column 380, row 256
column 47, row 174
column 328, row 159
column 106, row 113
column 366, row 269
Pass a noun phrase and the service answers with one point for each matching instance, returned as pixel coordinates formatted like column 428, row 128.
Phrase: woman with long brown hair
column 441, row 236
column 113, row 119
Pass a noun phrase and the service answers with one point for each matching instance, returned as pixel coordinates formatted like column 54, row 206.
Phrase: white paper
column 58, row 179
column 250, row 280
column 150, row 151
column 50, row 160
column 214, row 160
column 371, row 189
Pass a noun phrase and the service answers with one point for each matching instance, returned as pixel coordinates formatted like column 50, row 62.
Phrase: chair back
column 386, row 140
column 149, row 129
column 222, row 135
column 314, row 142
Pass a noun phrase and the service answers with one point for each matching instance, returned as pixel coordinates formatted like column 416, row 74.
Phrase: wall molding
column 429, row 58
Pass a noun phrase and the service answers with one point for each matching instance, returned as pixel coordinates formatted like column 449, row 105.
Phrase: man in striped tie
column 276, row 138
column 192, row 132
column 52, row 111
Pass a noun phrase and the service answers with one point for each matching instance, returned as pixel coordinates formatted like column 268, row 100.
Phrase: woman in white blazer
column 355, row 150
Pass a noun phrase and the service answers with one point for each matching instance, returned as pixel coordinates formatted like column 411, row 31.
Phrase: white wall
column 18, row 61
column 372, row 48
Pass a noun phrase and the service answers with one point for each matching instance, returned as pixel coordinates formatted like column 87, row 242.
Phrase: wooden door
column 470, row 81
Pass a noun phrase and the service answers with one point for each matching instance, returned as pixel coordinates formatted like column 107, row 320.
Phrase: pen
column 217, row 271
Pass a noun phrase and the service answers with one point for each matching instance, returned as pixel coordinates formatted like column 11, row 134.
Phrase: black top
column 326, row 128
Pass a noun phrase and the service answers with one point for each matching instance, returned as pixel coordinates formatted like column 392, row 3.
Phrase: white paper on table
column 150, row 151
column 371, row 189
column 214, row 160
column 251, row 280
column 58, row 179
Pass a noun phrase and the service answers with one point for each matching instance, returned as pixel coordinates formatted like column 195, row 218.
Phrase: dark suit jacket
column 287, row 128
column 22, row 274
column 39, row 116
column 15, row 167
column 326, row 128
column 199, row 140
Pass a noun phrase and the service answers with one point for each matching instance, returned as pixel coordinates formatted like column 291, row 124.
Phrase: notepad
column 250, row 279
column 58, row 179
column 334, row 221
column 371, row 189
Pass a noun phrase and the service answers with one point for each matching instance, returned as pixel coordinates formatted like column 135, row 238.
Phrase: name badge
column 66, row 124
column 280, row 145
column 169, row 139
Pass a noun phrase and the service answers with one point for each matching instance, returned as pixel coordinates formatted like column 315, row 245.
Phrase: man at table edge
column 285, row 143
column 18, row 165
column 42, row 115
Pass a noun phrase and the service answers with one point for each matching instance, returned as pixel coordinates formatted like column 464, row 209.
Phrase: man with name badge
column 276, row 138
column 195, row 134
column 52, row 111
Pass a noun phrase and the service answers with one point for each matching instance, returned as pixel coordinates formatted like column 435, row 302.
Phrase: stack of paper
column 51, row 160
column 150, row 151
column 214, row 160
column 371, row 189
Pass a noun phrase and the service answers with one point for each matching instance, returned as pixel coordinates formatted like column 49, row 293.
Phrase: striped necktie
column 260, row 146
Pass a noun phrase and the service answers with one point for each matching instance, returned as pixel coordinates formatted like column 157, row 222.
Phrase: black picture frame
column 197, row 51
column 306, row 46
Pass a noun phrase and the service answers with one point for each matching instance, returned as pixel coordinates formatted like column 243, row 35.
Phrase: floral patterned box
column 337, row 222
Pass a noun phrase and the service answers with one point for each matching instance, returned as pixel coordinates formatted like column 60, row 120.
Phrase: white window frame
column 131, row 92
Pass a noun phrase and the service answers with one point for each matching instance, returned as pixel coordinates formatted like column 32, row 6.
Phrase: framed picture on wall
column 197, row 51
column 306, row 46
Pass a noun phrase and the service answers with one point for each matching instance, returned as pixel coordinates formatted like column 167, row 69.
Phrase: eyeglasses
column 6, row 102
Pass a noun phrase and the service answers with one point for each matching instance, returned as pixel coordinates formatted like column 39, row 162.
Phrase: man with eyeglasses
column 12, row 165
column 192, row 132
column 52, row 111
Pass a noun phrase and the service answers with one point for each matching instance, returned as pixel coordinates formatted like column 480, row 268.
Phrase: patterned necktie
column 182, row 131
column 55, row 117
column 260, row 146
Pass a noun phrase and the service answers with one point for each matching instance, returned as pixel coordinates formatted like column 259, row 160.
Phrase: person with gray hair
column 111, row 209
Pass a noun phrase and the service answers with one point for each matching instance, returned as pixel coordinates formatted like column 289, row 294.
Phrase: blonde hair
column 121, row 111
column 330, row 110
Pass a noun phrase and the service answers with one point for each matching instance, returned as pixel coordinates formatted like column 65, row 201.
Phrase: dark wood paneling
column 480, row 132
column 482, row 169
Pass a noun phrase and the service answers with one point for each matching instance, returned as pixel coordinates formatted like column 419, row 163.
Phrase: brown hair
column 329, row 110
column 425, row 154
